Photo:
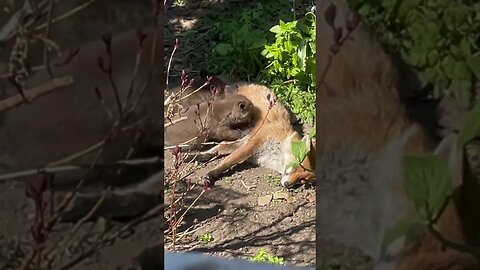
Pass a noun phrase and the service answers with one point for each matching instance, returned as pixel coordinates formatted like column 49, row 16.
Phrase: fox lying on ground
column 268, row 144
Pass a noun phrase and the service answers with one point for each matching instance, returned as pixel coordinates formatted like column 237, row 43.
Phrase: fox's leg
column 224, row 148
column 238, row 156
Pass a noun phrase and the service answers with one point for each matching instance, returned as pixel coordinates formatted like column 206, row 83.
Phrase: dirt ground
column 240, row 223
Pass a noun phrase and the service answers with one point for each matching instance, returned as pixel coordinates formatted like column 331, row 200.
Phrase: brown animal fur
column 363, row 131
column 216, row 121
column 267, row 144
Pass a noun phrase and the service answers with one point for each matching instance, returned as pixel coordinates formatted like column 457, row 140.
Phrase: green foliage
column 241, row 39
column 263, row 256
column 291, row 68
column 262, row 43
column 179, row 3
column 438, row 37
column 300, row 150
column 408, row 228
column 206, row 238
column 428, row 184
column 471, row 129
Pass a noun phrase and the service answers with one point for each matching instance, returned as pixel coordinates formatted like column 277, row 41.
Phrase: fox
column 267, row 144
column 364, row 131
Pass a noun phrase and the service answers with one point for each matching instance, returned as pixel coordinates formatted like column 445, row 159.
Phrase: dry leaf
column 264, row 200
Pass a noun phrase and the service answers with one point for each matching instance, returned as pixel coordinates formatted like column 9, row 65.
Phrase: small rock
column 264, row 200
column 283, row 195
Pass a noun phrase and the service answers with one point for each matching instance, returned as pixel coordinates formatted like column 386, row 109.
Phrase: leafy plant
column 291, row 68
column 246, row 46
column 206, row 238
column 428, row 185
column 438, row 37
column 471, row 128
column 263, row 256
column 300, row 150
column 241, row 38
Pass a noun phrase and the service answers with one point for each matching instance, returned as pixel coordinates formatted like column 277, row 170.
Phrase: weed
column 206, row 238
column 263, row 256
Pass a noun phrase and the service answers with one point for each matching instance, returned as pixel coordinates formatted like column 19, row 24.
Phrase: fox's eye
column 242, row 105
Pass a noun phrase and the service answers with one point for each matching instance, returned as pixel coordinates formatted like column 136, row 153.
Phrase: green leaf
column 256, row 44
column 299, row 150
column 292, row 165
column 404, row 6
column 224, row 49
column 313, row 131
column 302, row 55
column 410, row 228
column 473, row 63
column 448, row 64
column 276, row 29
column 461, row 89
column 471, row 128
column 428, row 183
column 461, row 71
column 432, row 57
column 465, row 48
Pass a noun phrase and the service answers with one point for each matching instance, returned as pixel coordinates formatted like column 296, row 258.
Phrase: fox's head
column 303, row 173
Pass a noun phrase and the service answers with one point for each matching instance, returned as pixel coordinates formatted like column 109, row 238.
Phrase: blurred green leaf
column 299, row 150
column 408, row 228
column 428, row 183
column 471, row 129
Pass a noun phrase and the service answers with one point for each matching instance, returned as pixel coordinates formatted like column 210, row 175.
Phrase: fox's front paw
column 211, row 178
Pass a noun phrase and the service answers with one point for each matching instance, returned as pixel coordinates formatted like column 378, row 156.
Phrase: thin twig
column 66, row 168
column 110, row 237
column 46, row 53
column 174, row 121
column 66, row 15
column 63, row 244
column 35, row 92
column 450, row 244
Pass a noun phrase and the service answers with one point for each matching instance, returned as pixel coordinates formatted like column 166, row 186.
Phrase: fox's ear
column 448, row 150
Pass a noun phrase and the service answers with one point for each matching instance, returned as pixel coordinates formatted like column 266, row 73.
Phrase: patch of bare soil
column 248, row 210
column 18, row 214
